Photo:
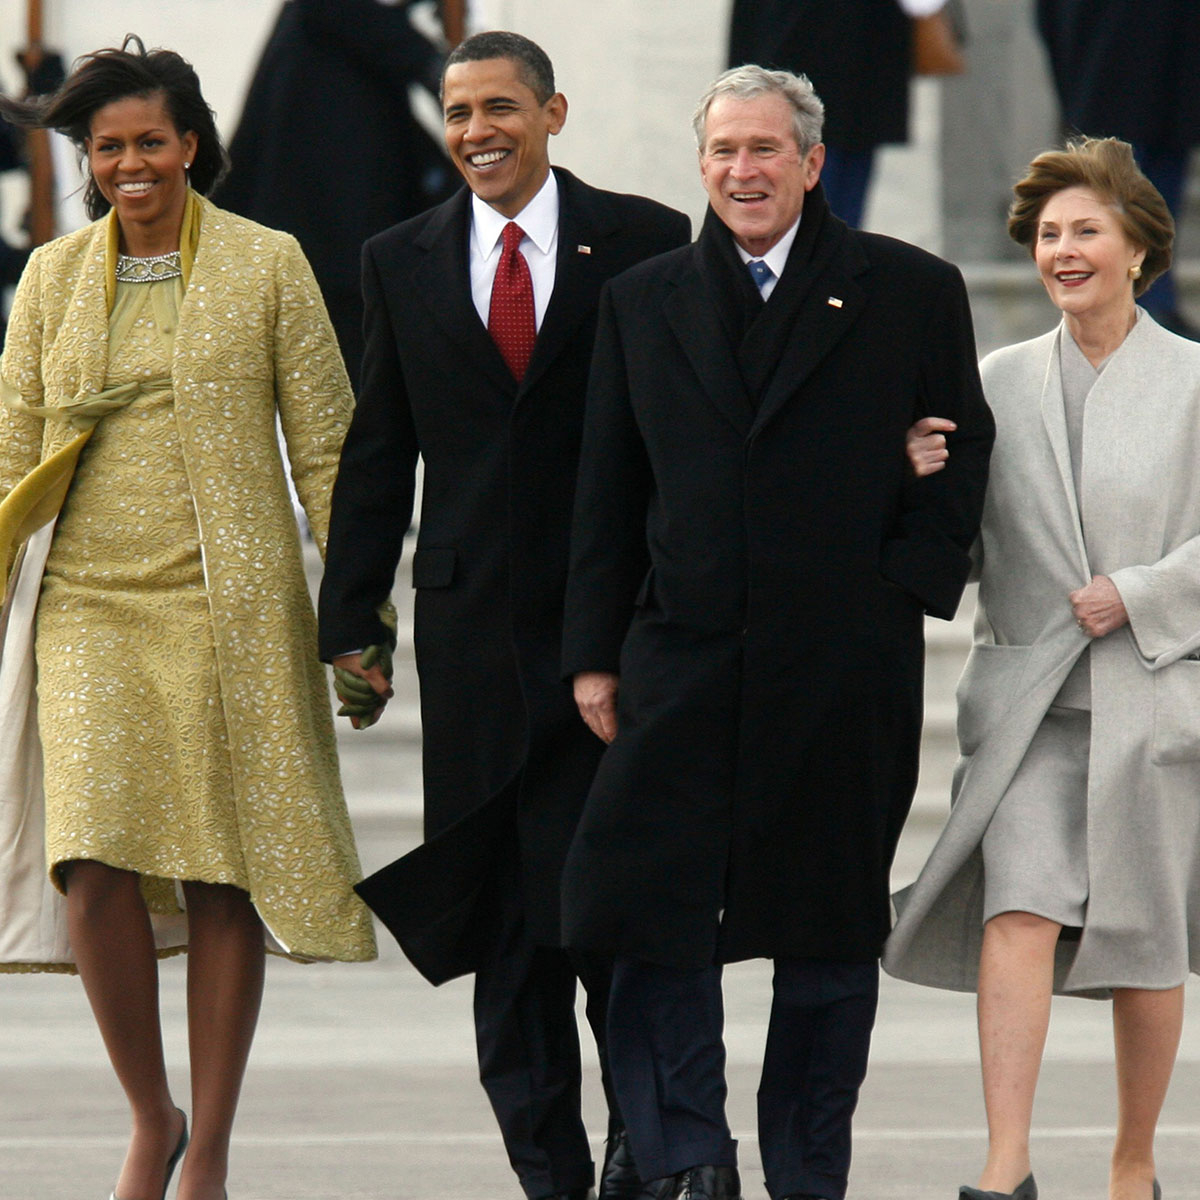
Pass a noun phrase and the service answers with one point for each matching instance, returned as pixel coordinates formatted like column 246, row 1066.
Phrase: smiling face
column 497, row 133
column 136, row 156
column 1083, row 255
column 753, row 170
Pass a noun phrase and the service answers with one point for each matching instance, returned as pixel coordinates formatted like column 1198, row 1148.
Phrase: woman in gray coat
column 1069, row 862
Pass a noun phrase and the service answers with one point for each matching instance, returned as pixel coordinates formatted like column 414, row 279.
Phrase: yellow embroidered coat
column 253, row 338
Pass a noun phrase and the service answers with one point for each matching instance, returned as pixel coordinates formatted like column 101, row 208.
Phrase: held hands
column 925, row 445
column 596, row 695
column 1098, row 608
column 363, row 683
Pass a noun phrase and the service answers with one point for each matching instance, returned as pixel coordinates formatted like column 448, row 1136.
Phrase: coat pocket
column 989, row 685
column 1177, row 713
column 434, row 566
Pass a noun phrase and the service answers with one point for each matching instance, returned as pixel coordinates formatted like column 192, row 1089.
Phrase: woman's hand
column 1098, row 608
column 925, row 445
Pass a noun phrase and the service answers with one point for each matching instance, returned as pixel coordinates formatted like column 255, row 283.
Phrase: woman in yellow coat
column 187, row 743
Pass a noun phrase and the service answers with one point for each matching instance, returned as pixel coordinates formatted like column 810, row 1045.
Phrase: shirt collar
column 538, row 219
column 776, row 257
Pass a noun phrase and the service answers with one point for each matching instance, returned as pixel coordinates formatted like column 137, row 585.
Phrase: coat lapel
column 585, row 222
column 1054, row 418
column 442, row 281
column 819, row 301
column 692, row 311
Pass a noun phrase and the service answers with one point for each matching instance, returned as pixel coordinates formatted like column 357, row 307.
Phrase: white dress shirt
column 775, row 258
column 539, row 222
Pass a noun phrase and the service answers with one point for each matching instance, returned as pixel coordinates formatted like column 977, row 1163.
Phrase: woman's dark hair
column 106, row 76
column 1107, row 167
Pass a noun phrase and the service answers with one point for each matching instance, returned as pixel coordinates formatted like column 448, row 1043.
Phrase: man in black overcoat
column 507, row 762
column 751, row 565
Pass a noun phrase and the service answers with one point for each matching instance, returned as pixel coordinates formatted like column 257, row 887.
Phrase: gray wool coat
column 1138, row 522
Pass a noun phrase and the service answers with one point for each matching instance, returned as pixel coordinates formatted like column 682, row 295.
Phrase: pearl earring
column 1135, row 271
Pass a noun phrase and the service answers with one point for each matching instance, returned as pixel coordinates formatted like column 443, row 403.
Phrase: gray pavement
column 362, row 1082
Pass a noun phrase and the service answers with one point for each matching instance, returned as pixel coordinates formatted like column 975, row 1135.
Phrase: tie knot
column 760, row 272
column 512, row 235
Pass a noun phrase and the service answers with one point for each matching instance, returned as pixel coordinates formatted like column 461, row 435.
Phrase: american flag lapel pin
column 584, row 249
column 834, row 302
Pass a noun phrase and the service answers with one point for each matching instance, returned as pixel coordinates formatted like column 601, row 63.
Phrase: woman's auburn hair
column 1107, row 167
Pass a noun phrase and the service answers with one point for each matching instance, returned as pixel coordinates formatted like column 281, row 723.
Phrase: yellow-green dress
column 137, row 762
column 183, row 710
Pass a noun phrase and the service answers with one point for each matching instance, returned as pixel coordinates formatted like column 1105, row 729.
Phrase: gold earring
column 1135, row 271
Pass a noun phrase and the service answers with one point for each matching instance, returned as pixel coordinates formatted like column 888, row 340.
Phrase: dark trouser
column 1167, row 170
column 846, row 177
column 528, row 1046
column 668, row 1066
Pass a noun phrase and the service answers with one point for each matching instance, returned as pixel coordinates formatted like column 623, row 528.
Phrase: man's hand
column 596, row 695
column 925, row 445
column 1098, row 608
column 363, row 683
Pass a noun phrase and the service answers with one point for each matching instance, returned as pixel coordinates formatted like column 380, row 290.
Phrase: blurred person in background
column 1131, row 69
column 859, row 56
column 328, row 147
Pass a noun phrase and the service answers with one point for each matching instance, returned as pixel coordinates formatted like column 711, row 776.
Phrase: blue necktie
column 760, row 273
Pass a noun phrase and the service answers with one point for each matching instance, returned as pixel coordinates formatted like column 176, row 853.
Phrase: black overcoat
column 1126, row 68
column 491, row 559
column 752, row 556
column 858, row 54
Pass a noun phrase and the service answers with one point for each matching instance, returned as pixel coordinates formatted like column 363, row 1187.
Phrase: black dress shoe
column 575, row 1194
column 710, row 1183
column 696, row 1183
column 1025, row 1190
column 618, row 1177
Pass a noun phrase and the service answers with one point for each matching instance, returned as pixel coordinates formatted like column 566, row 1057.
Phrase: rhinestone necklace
column 149, row 269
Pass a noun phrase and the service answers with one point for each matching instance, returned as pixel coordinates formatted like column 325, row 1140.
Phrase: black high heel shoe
column 1025, row 1190
column 173, row 1161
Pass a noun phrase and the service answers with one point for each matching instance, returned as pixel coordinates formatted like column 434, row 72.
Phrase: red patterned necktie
column 510, row 316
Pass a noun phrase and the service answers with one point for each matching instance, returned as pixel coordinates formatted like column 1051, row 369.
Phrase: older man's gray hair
column 745, row 83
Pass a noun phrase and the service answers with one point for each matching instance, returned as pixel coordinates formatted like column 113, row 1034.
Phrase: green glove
column 380, row 656
column 386, row 612
column 358, row 697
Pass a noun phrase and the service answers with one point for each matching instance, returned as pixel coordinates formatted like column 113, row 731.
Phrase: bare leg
column 114, row 950
column 1146, row 1028
column 225, row 984
column 1016, row 976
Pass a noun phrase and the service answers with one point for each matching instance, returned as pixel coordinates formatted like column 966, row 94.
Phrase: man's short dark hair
column 533, row 63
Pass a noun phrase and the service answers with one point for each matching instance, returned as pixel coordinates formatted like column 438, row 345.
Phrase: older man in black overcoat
column 507, row 762
column 751, row 566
